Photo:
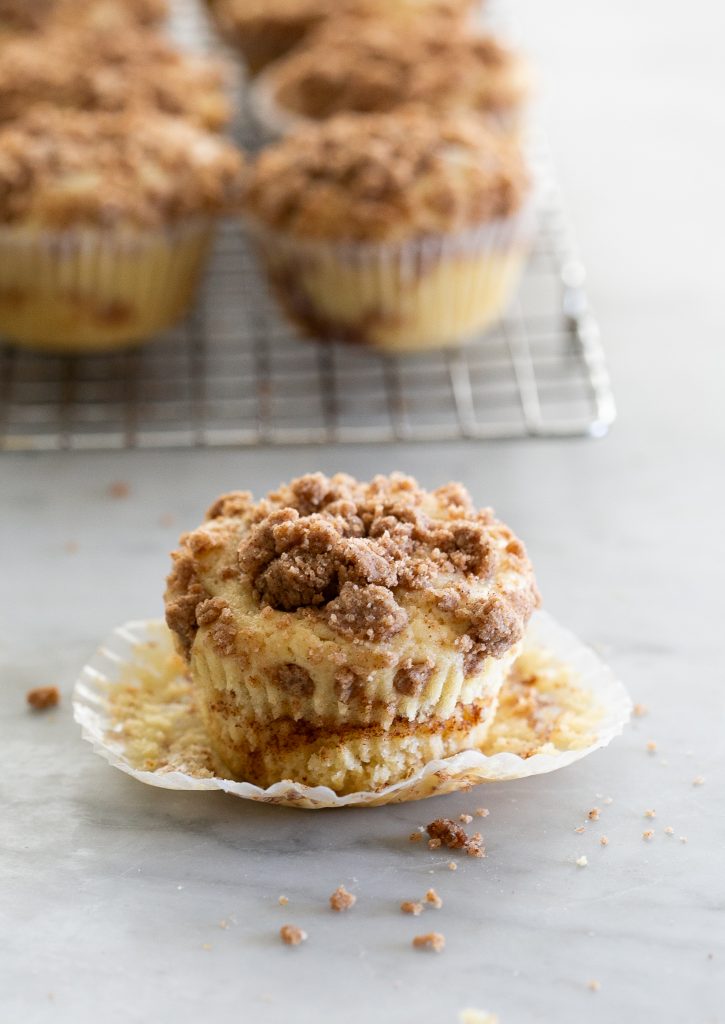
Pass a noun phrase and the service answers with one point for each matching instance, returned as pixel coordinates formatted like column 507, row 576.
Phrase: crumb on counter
column 411, row 907
column 43, row 697
column 648, row 834
column 291, row 935
column 594, row 985
column 466, row 819
column 481, row 812
column 699, row 780
column 434, row 844
column 452, row 865
column 581, row 862
column 640, row 710
column 650, row 813
column 434, row 899
column 669, row 831
column 283, row 901
column 415, row 837
column 432, row 940
column 341, row 899
column 684, row 839
column 593, row 815
column 604, row 841
column 651, row 746
column 580, row 828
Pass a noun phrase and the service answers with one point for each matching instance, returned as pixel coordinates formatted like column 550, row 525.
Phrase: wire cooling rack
column 234, row 374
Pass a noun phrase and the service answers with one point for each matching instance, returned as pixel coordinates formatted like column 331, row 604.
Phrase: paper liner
column 90, row 289
column 121, row 652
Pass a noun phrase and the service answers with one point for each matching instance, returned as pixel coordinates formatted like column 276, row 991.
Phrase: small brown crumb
column 283, row 901
column 699, row 780
column 341, row 899
column 465, row 818
column 594, row 985
column 648, row 834
column 651, row 746
column 640, row 710
column 434, row 899
column 433, row 940
column 291, row 935
column 580, row 828
column 650, row 813
column 669, row 831
column 119, row 489
column 434, row 844
column 581, row 862
column 446, row 831
column 604, row 841
column 475, row 847
column 481, row 812
column 593, row 815
column 411, row 907
column 452, row 866
column 415, row 837
column 43, row 697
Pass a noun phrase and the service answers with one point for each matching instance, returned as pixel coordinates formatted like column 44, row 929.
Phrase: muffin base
column 88, row 290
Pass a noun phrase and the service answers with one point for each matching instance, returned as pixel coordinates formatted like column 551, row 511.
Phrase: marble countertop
column 113, row 893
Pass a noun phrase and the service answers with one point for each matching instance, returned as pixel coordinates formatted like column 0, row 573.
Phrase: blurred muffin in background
column 31, row 15
column 105, row 223
column 399, row 231
column 362, row 65
column 90, row 68
column 264, row 30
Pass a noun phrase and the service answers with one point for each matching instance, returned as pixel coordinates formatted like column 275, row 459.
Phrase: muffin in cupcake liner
column 87, row 289
column 135, row 705
column 423, row 293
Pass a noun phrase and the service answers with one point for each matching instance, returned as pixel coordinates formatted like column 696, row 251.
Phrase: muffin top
column 29, row 15
column 61, row 168
column 92, row 68
column 308, row 13
column 356, row 561
column 384, row 177
column 358, row 64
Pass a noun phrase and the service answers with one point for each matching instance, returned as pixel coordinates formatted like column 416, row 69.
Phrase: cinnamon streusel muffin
column 265, row 30
column 358, row 65
column 89, row 68
column 105, row 222
column 400, row 231
column 344, row 634
column 31, row 15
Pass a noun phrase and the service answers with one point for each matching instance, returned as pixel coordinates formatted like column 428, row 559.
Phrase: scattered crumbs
column 70, row 547
column 43, row 697
column 579, row 829
column 669, row 831
column 481, row 812
column 341, row 899
column 434, row 844
column 699, row 780
column 452, row 866
column 640, row 710
column 475, row 847
column 477, row 1017
column 608, row 800
column 581, row 862
column 411, row 907
column 465, row 818
column 593, row 815
column 119, row 489
column 206, row 945
column 594, row 985
column 650, row 813
column 291, row 935
column 434, row 899
column 603, row 841
column 683, row 839
column 433, row 940
column 651, row 746
column 648, row 834
column 415, row 837
column 283, row 901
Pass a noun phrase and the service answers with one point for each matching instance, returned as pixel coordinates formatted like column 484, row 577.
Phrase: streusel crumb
column 433, row 941
column 43, row 697
column 433, row 899
column 291, row 935
column 411, row 907
column 341, row 899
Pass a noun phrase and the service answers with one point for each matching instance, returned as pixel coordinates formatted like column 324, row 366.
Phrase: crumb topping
column 291, row 935
column 413, row 907
column 43, row 697
column 61, row 168
column 341, row 899
column 30, row 15
column 433, row 941
column 96, row 69
column 384, row 177
column 357, row 64
column 432, row 898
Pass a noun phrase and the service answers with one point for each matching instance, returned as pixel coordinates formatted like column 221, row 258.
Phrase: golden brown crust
column 98, row 69
column 31, row 15
column 62, row 169
column 385, row 177
column 353, row 64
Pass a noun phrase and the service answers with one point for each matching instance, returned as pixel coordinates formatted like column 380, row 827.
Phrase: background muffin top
column 358, row 64
column 89, row 68
column 60, row 167
column 386, row 176
column 28, row 15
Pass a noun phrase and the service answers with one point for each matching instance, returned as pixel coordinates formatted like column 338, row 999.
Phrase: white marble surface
column 111, row 891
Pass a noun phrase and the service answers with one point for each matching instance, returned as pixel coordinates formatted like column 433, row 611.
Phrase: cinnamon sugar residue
column 43, row 697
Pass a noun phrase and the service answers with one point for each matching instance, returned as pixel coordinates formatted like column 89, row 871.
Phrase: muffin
column 397, row 231
column 358, row 65
column 90, row 68
column 30, row 15
column 105, row 223
column 265, row 30
column 344, row 634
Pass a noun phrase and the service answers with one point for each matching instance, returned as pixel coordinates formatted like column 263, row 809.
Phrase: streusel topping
column 386, row 176
column 61, row 168
column 354, row 64
column 347, row 553
column 98, row 69
column 30, row 15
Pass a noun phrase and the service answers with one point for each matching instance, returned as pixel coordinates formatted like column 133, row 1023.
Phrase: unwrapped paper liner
column 91, row 704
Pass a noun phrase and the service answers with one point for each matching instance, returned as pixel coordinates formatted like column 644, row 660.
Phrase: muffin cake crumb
column 466, row 819
column 640, row 710
column 411, row 907
column 452, row 866
column 594, row 985
column 291, row 935
column 648, row 834
column 434, row 844
column 432, row 940
column 581, row 862
column 593, row 815
column 447, row 832
column 481, row 812
column 579, row 829
column 604, row 841
column 43, row 697
column 651, row 746
column 669, row 831
column 341, row 899
column 434, row 899
column 650, row 813
column 283, row 901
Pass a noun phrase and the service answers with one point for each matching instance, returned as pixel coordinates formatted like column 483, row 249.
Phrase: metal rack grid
column 235, row 374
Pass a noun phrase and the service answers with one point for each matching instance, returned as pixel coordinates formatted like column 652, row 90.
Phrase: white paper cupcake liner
column 122, row 654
